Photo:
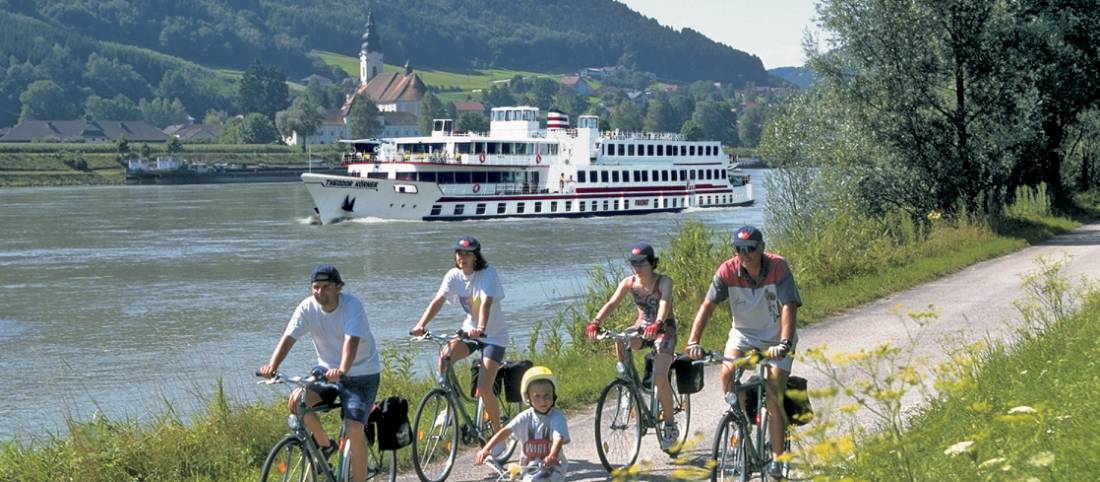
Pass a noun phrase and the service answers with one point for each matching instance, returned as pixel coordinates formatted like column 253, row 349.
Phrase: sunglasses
column 638, row 262
column 746, row 249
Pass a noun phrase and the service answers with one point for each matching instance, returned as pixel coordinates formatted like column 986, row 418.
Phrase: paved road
column 972, row 304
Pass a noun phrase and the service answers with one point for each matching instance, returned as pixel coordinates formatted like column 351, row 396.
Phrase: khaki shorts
column 744, row 344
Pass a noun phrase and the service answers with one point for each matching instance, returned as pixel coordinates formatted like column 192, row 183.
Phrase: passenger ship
column 520, row 170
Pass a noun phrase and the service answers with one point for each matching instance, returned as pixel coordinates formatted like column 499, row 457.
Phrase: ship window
column 553, row 149
column 480, row 176
column 637, row 176
column 603, row 176
column 538, row 206
column 691, row 150
column 501, row 208
column 480, row 209
column 446, row 178
column 665, row 202
column 553, row 206
column 614, row 176
column 674, row 178
column 723, row 174
column 459, row 209
column 660, row 149
column 505, row 147
column 436, row 209
column 580, row 205
column 649, row 149
column 594, row 207
column 580, row 176
column 376, row 175
column 675, row 150
column 630, row 150
column 493, row 148
column 605, row 205
column 406, row 176
column 427, row 177
column 569, row 206
column 656, row 176
column 616, row 205
column 691, row 172
column 645, row 176
column 462, row 178
column 462, row 148
column 492, row 176
column 519, row 208
column 622, row 149
column 521, row 149
column 664, row 175
column 626, row 176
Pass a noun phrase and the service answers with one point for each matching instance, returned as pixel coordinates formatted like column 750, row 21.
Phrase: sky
column 769, row 29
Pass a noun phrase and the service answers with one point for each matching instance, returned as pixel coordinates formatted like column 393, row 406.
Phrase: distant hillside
column 801, row 76
column 515, row 34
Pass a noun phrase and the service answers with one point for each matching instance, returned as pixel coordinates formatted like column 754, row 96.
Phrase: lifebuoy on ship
column 477, row 187
column 538, row 158
column 481, row 157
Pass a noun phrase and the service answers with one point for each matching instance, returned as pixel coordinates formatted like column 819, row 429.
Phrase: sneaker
column 775, row 470
column 441, row 419
column 671, row 436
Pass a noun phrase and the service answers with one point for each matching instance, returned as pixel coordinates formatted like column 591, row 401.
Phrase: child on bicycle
column 652, row 294
column 541, row 429
column 474, row 285
column 345, row 350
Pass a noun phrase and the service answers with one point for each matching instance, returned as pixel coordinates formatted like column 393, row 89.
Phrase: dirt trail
column 972, row 304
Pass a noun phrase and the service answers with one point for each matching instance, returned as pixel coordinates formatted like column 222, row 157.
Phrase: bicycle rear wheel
column 288, row 461
column 618, row 426
column 730, row 456
column 507, row 411
column 681, row 413
column 436, row 442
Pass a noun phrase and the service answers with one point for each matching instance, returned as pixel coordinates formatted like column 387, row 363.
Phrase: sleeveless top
column 648, row 303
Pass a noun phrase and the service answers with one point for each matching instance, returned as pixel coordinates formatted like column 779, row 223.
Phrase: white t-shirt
column 329, row 330
column 534, row 432
column 469, row 292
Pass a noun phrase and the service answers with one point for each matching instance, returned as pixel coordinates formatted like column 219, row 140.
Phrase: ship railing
column 650, row 136
column 492, row 189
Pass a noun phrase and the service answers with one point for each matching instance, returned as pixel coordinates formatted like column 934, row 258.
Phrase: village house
column 82, row 130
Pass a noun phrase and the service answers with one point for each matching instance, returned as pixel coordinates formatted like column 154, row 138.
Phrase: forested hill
column 559, row 36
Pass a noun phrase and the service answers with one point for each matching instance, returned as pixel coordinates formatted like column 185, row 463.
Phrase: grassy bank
column 1019, row 412
column 51, row 164
column 228, row 441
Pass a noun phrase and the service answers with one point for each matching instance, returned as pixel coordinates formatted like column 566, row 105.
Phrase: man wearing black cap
column 345, row 350
column 764, row 302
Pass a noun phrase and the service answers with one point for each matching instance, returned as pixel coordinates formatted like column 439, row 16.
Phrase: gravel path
column 972, row 304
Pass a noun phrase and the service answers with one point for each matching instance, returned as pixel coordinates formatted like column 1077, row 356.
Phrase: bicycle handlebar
column 604, row 333
column 429, row 336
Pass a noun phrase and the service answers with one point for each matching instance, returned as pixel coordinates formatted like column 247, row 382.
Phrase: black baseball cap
column 325, row 272
column 641, row 252
column 748, row 236
column 467, row 243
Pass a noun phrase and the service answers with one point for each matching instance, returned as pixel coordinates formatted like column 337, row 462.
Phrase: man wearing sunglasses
column 764, row 302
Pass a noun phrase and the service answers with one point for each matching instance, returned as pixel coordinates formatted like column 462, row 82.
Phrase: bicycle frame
column 629, row 373
column 448, row 382
column 756, row 446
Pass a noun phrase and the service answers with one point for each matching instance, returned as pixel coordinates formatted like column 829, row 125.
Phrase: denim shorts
column 357, row 395
column 492, row 352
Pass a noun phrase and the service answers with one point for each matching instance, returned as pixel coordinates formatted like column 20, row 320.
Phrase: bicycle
column 735, row 453
column 298, row 458
column 438, row 429
column 620, row 425
column 511, row 472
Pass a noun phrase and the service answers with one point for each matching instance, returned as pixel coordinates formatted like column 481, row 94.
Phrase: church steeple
column 370, row 51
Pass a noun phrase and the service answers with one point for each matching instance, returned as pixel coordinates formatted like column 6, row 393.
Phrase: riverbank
column 44, row 165
column 218, row 440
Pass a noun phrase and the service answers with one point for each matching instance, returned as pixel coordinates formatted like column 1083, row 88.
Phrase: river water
column 127, row 299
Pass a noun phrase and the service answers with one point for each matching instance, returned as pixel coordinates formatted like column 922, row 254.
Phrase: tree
column 628, row 117
column 691, row 131
column 109, row 78
column 263, row 90
column 657, row 116
column 214, row 117
column 119, row 108
column 253, row 128
column 497, row 96
column 716, row 122
column 937, row 83
column 162, row 112
column 570, row 102
column 45, row 100
column 303, row 117
column 173, row 145
column 430, row 108
column 363, row 119
column 472, row 122
column 750, row 124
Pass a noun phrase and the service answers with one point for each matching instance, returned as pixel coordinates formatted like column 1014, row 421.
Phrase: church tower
column 370, row 52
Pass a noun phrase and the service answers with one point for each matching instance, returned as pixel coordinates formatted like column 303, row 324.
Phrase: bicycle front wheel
column 288, row 461
column 618, row 426
column 730, row 457
column 436, row 442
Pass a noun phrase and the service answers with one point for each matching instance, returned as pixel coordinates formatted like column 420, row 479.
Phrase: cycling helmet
column 536, row 373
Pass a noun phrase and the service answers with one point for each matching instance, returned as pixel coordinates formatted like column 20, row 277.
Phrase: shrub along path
column 972, row 305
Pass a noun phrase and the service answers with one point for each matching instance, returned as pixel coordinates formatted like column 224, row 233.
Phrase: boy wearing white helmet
column 541, row 430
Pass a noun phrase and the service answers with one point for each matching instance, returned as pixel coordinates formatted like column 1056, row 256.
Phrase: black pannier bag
column 512, row 373
column 796, row 402
column 475, row 369
column 392, row 420
column 689, row 375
